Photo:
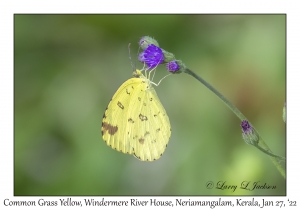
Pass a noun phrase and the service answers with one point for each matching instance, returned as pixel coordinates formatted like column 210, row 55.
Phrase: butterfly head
column 137, row 73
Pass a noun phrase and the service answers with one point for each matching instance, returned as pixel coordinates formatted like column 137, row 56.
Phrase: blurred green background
column 67, row 68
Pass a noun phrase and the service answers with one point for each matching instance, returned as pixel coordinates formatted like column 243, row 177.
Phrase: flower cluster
column 153, row 56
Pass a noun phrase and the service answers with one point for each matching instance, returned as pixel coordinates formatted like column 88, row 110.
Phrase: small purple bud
column 172, row 66
column 249, row 134
column 246, row 127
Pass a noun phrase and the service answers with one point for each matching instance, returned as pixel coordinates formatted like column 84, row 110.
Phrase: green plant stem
column 262, row 145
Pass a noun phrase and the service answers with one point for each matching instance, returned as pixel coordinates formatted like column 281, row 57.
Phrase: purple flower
column 152, row 56
column 172, row 66
column 246, row 127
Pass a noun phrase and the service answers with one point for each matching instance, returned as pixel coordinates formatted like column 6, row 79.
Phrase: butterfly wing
column 135, row 121
column 114, row 119
column 151, row 130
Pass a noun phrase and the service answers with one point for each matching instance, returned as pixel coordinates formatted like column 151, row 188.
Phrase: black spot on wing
column 130, row 120
column 143, row 117
column 109, row 128
column 120, row 105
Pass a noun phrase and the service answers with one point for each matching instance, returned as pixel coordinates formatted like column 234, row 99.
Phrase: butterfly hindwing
column 153, row 128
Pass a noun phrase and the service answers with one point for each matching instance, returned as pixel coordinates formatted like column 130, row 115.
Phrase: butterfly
column 135, row 122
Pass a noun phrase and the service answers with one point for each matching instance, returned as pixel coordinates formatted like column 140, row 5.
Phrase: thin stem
column 263, row 146
column 230, row 105
column 269, row 153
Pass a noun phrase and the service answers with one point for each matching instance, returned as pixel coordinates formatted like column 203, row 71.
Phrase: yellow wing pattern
column 135, row 122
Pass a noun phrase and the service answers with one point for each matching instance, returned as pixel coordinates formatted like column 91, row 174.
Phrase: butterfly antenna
column 138, row 52
column 133, row 66
column 144, row 64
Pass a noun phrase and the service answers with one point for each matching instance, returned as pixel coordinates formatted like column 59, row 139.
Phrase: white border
column 8, row 8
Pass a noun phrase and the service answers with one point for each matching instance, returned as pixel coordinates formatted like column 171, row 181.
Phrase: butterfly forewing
column 113, row 124
column 135, row 122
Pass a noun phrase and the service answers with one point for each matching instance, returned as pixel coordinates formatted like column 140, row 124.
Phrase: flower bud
column 249, row 134
column 168, row 56
column 145, row 41
column 172, row 66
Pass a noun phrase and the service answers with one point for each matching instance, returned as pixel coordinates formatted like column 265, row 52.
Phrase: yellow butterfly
column 135, row 122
